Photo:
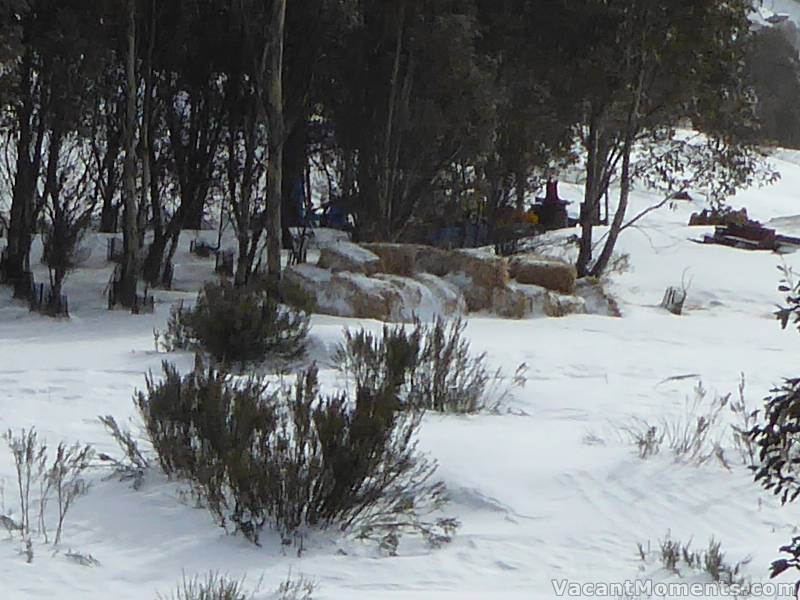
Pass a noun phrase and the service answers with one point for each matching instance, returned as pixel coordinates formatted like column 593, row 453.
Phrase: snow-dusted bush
column 212, row 586
column 428, row 367
column 292, row 459
column 237, row 325
column 292, row 588
column 133, row 464
column 47, row 486
column 676, row 557
column 702, row 433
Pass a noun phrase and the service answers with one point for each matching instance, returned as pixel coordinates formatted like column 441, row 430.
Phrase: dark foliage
column 292, row 459
column 238, row 325
column 778, row 442
column 773, row 68
column 782, row 564
column 428, row 366
column 777, row 437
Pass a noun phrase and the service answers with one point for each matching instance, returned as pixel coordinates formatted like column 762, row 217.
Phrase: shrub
column 42, row 481
column 777, row 440
column 675, row 555
column 700, row 434
column 295, row 589
column 427, row 366
column 292, row 459
column 133, row 464
column 212, row 586
column 237, row 325
column 777, row 437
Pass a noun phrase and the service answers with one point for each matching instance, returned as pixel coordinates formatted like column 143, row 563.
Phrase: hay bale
column 395, row 259
column 597, row 300
column 343, row 294
column 561, row 305
column 520, row 301
column 408, row 259
column 414, row 297
column 425, row 296
column 486, row 269
column 515, row 302
column 301, row 285
column 477, row 274
column 365, row 297
column 550, row 273
column 448, row 296
column 346, row 256
column 432, row 260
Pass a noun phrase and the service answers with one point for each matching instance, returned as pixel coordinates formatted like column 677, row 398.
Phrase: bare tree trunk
column 384, row 194
column 295, row 161
column 52, row 190
column 521, row 188
column 241, row 202
column 619, row 215
column 130, row 270
column 147, row 109
column 616, row 225
column 21, row 225
column 108, row 186
column 275, row 120
column 594, row 158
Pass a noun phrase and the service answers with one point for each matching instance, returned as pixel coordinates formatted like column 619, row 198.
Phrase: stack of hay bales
column 475, row 273
column 478, row 274
column 520, row 301
column 542, row 286
column 409, row 259
column 353, row 281
column 395, row 282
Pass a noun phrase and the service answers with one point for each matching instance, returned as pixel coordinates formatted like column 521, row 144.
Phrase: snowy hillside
column 791, row 8
column 550, row 488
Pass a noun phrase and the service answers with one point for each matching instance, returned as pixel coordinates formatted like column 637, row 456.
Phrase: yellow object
column 518, row 217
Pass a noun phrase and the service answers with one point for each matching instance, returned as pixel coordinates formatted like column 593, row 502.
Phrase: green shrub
column 237, row 325
column 428, row 367
column 292, row 459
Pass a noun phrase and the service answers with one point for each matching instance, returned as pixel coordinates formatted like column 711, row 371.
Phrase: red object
column 552, row 192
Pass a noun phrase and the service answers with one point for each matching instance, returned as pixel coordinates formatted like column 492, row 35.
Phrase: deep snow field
column 547, row 488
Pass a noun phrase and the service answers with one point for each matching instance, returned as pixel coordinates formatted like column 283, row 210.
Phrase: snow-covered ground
column 768, row 8
column 547, row 489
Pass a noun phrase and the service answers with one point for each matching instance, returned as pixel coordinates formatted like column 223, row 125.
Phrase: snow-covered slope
column 790, row 8
column 547, row 489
